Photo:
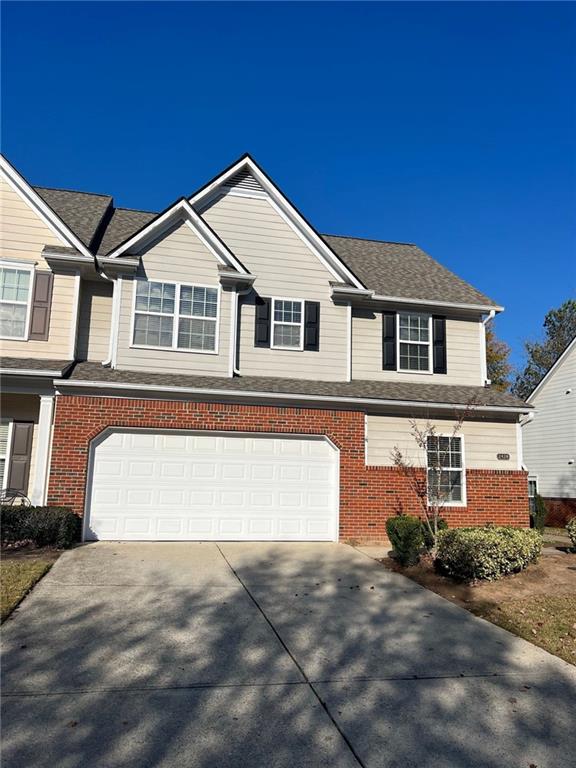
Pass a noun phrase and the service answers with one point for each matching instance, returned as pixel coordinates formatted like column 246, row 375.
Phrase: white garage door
column 189, row 486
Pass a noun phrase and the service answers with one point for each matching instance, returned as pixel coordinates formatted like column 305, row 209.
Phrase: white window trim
column 7, row 455
column 273, row 322
column 176, row 317
column 421, row 343
column 532, row 479
column 464, row 502
column 24, row 267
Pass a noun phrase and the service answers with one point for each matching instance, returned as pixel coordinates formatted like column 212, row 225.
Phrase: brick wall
column 368, row 495
column 559, row 511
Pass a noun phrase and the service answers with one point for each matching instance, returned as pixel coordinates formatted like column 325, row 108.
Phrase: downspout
column 116, row 284
column 236, row 325
column 490, row 316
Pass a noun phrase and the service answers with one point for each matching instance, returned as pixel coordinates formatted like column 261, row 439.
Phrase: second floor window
column 287, row 322
column 15, row 297
column 445, row 469
column 414, row 341
column 175, row 316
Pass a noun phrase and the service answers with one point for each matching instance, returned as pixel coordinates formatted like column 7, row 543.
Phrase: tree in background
column 559, row 330
column 497, row 364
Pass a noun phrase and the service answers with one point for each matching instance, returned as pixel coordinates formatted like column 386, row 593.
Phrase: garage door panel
column 168, row 486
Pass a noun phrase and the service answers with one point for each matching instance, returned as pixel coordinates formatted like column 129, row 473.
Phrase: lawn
column 538, row 604
column 19, row 571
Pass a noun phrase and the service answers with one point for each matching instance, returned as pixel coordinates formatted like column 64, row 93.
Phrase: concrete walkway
column 272, row 655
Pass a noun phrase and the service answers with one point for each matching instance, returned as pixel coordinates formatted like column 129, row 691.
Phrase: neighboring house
column 222, row 371
column 550, row 439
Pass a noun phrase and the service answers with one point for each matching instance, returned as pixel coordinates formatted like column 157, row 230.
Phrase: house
column 220, row 370
column 550, row 439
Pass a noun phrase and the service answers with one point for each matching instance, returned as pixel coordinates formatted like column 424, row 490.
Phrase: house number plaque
column 503, row 456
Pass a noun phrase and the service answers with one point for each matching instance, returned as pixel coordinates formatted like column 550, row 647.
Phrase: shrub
column 571, row 531
column 407, row 538
column 471, row 554
column 442, row 526
column 45, row 526
column 538, row 514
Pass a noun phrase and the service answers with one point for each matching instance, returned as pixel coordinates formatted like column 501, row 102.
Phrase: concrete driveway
column 268, row 655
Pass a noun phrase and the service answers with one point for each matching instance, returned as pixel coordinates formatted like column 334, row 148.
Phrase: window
column 532, row 491
column 4, row 433
column 414, row 340
column 445, row 469
column 287, row 324
column 15, row 294
column 175, row 316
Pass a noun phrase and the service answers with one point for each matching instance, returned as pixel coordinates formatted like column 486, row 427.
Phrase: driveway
column 292, row 655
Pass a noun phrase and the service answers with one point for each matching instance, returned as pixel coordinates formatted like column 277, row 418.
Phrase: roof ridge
column 135, row 210
column 369, row 239
column 74, row 191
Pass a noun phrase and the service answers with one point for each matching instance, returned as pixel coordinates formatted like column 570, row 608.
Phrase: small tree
column 422, row 482
column 497, row 354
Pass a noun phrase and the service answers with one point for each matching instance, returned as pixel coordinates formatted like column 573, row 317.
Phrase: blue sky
column 452, row 125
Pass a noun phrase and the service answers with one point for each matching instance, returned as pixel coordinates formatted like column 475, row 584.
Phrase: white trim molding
column 75, row 314
column 43, row 445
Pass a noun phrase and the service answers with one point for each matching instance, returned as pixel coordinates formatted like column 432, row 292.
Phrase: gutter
column 284, row 396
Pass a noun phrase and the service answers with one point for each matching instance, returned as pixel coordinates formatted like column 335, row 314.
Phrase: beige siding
column 23, row 408
column 463, row 347
column 179, row 257
column 550, row 439
column 22, row 236
column 482, row 441
column 94, row 321
column 284, row 267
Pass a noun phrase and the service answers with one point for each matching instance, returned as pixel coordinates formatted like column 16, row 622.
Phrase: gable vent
column 245, row 181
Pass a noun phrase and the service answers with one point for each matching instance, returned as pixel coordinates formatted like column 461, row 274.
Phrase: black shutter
column 262, row 322
column 439, row 343
column 41, row 303
column 20, row 453
column 312, row 326
column 388, row 341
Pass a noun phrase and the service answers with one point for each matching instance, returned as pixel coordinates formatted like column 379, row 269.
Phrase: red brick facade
column 368, row 495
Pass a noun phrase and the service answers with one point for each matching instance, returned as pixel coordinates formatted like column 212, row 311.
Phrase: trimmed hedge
column 44, row 526
column 473, row 554
column 571, row 531
column 428, row 542
column 407, row 538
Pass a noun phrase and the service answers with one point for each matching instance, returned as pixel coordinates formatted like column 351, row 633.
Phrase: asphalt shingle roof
column 378, row 390
column 400, row 270
column 33, row 364
column 82, row 212
column 403, row 270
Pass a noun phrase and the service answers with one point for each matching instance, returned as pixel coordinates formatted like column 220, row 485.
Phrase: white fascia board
column 183, row 209
column 298, row 222
column 28, row 372
column 556, row 365
column 233, row 393
column 435, row 303
column 41, row 208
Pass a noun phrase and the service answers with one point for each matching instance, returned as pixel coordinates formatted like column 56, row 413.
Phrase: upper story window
column 176, row 316
column 287, row 324
column 15, row 298
column 414, row 342
column 445, row 463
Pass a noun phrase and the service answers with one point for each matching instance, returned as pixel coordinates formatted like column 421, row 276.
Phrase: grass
column 546, row 621
column 17, row 577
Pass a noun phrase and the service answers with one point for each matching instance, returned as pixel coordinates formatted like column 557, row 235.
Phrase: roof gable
column 549, row 375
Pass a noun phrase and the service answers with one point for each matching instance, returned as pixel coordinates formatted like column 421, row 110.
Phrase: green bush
column 407, row 538
column 487, row 553
column 538, row 514
column 44, row 526
column 571, row 531
column 442, row 526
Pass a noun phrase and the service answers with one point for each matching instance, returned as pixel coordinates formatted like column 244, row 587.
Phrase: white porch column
column 43, row 445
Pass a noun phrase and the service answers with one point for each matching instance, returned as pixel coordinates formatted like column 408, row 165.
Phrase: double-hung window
column 414, row 342
column 175, row 316
column 15, row 296
column 287, row 324
column 446, row 480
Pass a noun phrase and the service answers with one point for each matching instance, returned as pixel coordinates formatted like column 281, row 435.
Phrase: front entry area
column 146, row 485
